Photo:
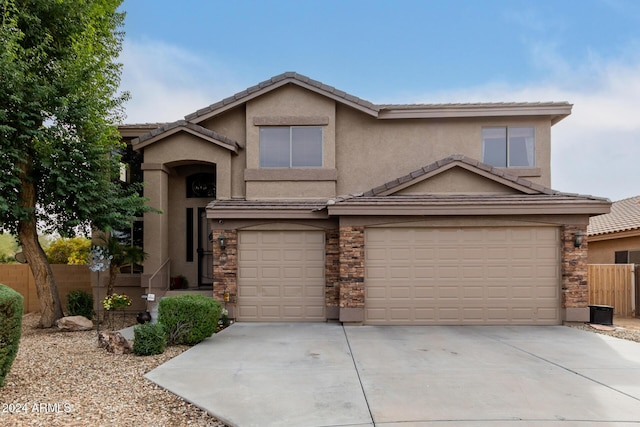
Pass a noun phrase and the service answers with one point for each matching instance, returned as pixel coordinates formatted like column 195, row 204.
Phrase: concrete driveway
column 257, row 374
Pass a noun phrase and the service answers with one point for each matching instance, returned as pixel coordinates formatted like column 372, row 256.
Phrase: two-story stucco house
column 299, row 202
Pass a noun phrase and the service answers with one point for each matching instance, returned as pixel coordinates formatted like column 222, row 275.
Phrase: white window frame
column 531, row 151
column 291, row 146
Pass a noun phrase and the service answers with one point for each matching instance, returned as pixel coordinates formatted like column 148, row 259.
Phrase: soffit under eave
column 614, row 235
column 554, row 112
column 141, row 145
column 459, row 210
column 237, row 102
column 216, row 214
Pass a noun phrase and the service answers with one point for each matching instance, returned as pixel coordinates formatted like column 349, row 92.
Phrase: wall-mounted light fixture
column 578, row 238
column 222, row 241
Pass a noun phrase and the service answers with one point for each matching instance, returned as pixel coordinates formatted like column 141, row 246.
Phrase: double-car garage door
column 413, row 276
column 457, row 276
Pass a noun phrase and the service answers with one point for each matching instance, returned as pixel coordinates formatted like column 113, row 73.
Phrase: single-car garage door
column 457, row 276
column 281, row 276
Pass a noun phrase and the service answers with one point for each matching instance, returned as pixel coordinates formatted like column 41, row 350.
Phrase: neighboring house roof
column 557, row 110
column 184, row 126
column 624, row 216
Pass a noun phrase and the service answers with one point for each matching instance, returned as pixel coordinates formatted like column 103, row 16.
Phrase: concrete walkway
column 321, row 375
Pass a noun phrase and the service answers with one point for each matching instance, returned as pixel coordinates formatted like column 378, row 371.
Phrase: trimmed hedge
column 149, row 339
column 80, row 303
column 10, row 328
column 188, row 319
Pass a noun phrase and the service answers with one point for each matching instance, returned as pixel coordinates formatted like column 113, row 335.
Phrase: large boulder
column 75, row 323
column 114, row 342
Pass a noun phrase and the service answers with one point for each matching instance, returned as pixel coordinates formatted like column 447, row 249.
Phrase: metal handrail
column 158, row 271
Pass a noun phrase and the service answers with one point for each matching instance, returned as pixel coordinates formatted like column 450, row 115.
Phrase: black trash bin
column 601, row 314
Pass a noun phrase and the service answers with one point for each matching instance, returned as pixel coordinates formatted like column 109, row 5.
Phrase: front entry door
column 205, row 251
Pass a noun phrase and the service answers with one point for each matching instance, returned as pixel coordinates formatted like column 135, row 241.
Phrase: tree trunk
column 46, row 289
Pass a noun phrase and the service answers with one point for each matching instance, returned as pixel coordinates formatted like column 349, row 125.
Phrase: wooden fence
column 614, row 285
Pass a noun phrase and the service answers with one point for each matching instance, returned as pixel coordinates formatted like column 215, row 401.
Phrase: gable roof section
column 276, row 82
column 184, row 126
column 533, row 199
column 464, row 162
column 624, row 216
column 556, row 110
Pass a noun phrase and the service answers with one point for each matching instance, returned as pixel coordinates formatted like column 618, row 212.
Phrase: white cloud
column 167, row 82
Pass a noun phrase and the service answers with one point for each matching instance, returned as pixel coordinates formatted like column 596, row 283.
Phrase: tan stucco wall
column 172, row 160
column 184, row 148
column 603, row 251
column 294, row 102
column 370, row 152
column 232, row 124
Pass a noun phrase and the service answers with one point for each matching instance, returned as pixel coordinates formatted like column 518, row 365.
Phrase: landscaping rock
column 75, row 323
column 114, row 342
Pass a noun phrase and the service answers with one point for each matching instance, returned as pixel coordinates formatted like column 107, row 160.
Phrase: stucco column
column 575, row 290
column 351, row 274
column 156, row 226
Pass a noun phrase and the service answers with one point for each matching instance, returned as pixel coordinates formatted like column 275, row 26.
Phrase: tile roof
column 624, row 216
column 556, row 109
column 197, row 129
column 277, row 81
column 388, row 187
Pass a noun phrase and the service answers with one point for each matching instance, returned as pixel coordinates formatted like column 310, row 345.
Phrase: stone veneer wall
column 351, row 273
column 332, row 273
column 575, row 290
column 225, row 268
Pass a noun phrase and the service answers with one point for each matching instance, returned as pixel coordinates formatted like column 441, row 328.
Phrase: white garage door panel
column 506, row 275
column 281, row 276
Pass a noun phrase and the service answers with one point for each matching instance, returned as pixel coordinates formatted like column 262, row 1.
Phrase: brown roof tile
column 276, row 80
column 195, row 128
column 624, row 216
column 475, row 164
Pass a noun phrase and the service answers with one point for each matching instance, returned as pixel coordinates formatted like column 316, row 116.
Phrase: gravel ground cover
column 64, row 379
column 619, row 332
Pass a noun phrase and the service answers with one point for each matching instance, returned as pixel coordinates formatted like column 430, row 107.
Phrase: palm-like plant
column 121, row 255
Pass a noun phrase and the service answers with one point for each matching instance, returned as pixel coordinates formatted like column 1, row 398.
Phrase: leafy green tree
column 58, row 106
column 8, row 248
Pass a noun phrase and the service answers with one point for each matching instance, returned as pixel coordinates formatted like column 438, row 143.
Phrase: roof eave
column 556, row 112
column 244, row 213
column 235, row 101
column 635, row 232
column 138, row 146
column 459, row 209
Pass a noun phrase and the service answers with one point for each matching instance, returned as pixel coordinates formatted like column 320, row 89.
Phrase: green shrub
column 74, row 250
column 188, row 319
column 149, row 339
column 80, row 303
column 10, row 328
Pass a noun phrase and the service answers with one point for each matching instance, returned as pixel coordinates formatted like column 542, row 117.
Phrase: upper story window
column 509, row 147
column 291, row 147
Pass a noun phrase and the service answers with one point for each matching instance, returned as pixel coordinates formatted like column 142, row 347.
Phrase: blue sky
column 587, row 52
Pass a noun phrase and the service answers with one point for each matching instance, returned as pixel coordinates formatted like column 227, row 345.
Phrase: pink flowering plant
column 116, row 301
